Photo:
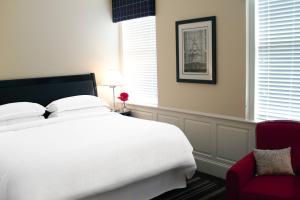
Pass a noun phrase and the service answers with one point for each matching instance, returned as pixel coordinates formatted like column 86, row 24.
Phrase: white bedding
column 66, row 158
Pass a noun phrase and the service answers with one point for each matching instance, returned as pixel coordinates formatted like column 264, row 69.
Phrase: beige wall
column 228, row 96
column 56, row 37
column 60, row 37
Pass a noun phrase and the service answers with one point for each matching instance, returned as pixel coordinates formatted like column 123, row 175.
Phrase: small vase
column 124, row 109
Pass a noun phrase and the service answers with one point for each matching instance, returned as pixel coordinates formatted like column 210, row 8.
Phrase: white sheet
column 21, row 120
column 65, row 158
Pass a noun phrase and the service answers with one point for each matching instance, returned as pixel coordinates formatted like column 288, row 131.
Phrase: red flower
column 123, row 96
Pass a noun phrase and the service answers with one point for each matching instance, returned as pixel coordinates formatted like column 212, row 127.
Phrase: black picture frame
column 198, row 64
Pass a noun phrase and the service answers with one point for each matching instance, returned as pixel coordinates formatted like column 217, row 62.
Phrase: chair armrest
column 238, row 175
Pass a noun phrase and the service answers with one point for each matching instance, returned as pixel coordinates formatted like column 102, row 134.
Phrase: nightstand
column 125, row 113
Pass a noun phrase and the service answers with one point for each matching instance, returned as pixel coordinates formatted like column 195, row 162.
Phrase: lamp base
column 114, row 101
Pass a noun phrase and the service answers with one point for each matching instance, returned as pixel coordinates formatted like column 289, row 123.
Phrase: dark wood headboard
column 46, row 90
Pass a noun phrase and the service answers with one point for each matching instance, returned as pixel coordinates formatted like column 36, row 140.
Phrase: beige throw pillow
column 273, row 162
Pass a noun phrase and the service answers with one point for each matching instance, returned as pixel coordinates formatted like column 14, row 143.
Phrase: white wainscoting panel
column 232, row 143
column 169, row 119
column 143, row 114
column 218, row 141
column 199, row 134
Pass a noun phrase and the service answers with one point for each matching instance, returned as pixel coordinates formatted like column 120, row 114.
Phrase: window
column 139, row 60
column 277, row 59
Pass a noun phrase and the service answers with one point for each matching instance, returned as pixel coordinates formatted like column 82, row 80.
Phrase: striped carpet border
column 200, row 187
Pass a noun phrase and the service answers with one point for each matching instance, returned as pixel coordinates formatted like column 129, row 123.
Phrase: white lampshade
column 112, row 77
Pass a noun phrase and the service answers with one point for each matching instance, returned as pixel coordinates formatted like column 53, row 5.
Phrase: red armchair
column 241, row 182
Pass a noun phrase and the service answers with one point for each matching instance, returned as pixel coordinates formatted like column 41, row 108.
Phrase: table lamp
column 113, row 79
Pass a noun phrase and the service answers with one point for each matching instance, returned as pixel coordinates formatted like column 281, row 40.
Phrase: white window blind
column 139, row 60
column 277, row 88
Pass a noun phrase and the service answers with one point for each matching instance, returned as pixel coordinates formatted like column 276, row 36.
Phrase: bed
column 96, row 156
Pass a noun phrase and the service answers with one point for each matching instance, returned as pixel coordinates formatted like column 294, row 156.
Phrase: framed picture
column 196, row 50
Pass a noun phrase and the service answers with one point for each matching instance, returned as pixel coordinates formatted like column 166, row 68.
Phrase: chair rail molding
column 218, row 140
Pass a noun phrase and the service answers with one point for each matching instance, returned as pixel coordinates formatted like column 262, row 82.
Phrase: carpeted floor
column 200, row 187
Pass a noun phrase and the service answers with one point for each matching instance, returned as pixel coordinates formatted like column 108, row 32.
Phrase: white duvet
column 67, row 158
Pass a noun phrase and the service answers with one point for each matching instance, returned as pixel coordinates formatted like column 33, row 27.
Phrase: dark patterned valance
column 131, row 9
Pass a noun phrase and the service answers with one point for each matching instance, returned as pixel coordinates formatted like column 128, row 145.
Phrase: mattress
column 71, row 158
column 144, row 189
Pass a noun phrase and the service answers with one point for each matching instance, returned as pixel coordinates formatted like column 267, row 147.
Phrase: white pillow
column 80, row 112
column 75, row 102
column 21, row 120
column 20, row 110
